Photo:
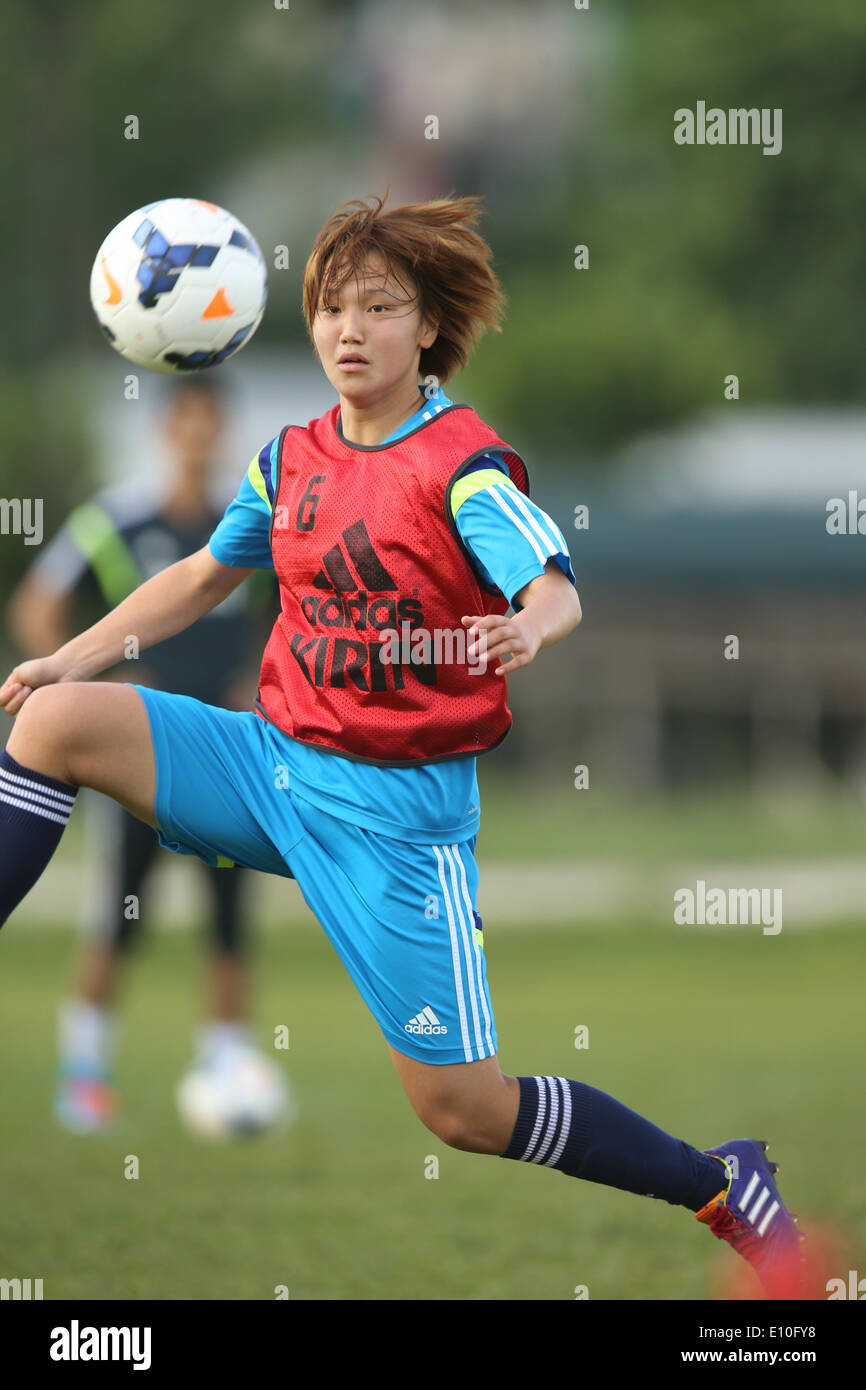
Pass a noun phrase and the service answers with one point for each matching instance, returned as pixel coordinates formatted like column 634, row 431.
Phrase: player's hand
column 26, row 678
column 516, row 635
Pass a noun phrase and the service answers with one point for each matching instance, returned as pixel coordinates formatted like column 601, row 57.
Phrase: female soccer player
column 399, row 525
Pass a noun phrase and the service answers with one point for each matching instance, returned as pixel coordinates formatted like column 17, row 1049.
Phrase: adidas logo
column 328, row 659
column 335, row 572
column 335, row 607
column 426, row 1022
column 757, row 1205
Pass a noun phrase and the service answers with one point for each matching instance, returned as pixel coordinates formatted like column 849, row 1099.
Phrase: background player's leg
column 226, row 1031
column 118, row 920
column 86, row 1098
column 227, row 966
column 65, row 737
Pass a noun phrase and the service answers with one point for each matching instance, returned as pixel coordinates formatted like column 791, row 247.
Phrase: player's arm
column 519, row 549
column 167, row 604
column 549, row 610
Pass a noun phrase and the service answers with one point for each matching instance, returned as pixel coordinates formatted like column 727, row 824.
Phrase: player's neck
column 370, row 425
column 186, row 502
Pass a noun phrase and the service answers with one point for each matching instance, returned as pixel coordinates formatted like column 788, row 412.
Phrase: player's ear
column 429, row 334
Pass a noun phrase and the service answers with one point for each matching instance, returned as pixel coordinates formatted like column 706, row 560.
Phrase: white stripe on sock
column 544, row 1147
column 31, row 806
column 566, row 1122
column 539, row 1120
column 64, row 798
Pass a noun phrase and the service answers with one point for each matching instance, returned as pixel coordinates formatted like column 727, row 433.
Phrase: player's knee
column 451, row 1128
column 41, row 728
column 460, row 1130
column 53, row 707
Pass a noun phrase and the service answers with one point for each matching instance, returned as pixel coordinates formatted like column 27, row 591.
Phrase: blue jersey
column 510, row 540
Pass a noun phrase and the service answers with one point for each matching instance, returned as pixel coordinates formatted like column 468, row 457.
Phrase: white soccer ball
column 247, row 1094
column 179, row 285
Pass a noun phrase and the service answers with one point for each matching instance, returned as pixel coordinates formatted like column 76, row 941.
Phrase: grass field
column 709, row 1042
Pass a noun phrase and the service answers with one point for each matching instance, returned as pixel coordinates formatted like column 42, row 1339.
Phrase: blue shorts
column 400, row 915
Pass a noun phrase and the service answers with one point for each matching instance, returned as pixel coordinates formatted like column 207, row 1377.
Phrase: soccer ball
column 247, row 1094
column 179, row 285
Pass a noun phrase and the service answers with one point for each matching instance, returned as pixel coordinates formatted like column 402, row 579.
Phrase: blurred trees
column 703, row 261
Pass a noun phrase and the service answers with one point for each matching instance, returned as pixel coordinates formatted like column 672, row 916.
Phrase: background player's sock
column 220, row 1039
column 86, row 1036
column 587, row 1134
column 34, row 810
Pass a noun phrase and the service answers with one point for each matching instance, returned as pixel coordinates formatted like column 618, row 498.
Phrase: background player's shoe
column 86, row 1099
column 750, row 1215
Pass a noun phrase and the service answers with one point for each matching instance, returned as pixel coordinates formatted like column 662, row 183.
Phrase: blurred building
column 716, row 531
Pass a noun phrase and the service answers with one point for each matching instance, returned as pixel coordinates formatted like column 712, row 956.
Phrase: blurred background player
column 106, row 548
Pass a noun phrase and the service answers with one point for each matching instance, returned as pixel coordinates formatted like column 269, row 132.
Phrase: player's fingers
column 498, row 641
column 511, row 665
column 486, row 620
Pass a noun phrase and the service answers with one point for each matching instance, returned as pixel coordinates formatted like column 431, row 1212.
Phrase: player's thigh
column 97, row 735
column 401, row 916
column 218, row 795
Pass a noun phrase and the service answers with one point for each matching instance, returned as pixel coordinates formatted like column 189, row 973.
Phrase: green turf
column 708, row 1036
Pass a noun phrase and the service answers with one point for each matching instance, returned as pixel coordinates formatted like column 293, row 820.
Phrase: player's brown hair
column 436, row 245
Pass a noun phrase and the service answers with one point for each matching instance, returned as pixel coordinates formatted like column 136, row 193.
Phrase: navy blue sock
column 586, row 1133
column 34, row 810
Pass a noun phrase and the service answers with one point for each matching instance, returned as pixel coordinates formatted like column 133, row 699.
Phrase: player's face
column 194, row 427
column 375, row 316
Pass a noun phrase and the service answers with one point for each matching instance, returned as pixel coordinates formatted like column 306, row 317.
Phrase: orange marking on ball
column 114, row 290
column 219, row 307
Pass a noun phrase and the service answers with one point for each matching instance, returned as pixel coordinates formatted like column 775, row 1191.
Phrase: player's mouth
column 352, row 362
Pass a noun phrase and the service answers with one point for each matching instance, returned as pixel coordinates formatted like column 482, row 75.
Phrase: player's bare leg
column 90, row 734
column 471, row 1105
